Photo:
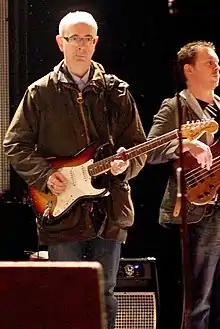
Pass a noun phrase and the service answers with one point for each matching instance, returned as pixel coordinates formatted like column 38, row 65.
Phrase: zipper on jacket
column 80, row 101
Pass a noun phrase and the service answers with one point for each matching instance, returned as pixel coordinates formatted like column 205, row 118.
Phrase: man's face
column 205, row 71
column 80, row 44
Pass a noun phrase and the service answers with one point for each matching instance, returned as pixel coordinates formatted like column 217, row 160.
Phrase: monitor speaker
column 51, row 295
column 137, row 293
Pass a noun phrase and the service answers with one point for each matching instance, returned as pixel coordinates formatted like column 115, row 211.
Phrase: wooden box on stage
column 51, row 295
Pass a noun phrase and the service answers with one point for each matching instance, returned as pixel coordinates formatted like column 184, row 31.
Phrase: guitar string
column 203, row 173
column 198, row 168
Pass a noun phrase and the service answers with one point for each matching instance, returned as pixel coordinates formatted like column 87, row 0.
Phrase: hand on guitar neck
column 118, row 166
column 200, row 151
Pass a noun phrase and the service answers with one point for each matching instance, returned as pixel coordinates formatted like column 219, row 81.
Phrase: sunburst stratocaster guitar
column 80, row 169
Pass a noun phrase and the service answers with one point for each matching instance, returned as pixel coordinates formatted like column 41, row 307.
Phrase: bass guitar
column 80, row 169
column 201, row 184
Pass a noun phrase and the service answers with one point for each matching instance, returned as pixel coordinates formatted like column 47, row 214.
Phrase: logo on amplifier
column 129, row 269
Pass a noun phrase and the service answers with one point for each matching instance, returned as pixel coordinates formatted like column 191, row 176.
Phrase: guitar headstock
column 194, row 129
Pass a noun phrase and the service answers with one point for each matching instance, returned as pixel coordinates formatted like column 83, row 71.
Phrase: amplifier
column 137, row 294
column 137, row 274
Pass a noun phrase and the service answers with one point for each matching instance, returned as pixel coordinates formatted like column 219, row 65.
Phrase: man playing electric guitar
column 62, row 113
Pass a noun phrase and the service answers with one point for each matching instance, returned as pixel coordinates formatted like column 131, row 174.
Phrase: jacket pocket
column 122, row 209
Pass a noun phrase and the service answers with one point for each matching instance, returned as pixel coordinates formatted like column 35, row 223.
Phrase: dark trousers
column 106, row 252
column 205, row 251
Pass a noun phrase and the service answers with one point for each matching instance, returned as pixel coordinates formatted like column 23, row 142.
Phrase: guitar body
column 202, row 185
column 80, row 185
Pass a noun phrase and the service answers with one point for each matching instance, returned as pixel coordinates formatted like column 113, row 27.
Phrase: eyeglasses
column 74, row 40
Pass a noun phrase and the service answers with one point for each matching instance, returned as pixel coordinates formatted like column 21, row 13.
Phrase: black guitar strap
column 102, row 129
column 105, row 132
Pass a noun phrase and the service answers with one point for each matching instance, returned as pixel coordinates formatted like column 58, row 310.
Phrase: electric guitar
column 80, row 169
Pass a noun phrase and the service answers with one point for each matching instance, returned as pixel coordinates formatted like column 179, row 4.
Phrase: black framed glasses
column 75, row 40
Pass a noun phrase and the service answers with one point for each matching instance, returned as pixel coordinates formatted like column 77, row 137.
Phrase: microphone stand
column 181, row 196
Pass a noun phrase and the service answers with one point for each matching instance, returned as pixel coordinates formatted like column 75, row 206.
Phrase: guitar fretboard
column 104, row 165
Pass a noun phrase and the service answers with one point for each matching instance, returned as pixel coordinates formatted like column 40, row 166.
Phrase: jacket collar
column 195, row 106
column 96, row 76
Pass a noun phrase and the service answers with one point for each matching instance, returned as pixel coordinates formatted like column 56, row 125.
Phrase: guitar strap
column 109, row 84
column 108, row 115
column 100, row 125
column 101, row 128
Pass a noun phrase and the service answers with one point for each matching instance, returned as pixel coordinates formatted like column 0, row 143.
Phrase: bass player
column 198, row 76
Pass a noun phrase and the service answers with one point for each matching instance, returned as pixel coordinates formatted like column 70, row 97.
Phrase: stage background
column 138, row 42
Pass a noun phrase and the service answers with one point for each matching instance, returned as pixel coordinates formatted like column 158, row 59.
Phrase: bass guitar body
column 201, row 184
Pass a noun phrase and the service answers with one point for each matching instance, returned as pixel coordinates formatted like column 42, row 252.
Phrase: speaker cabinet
column 136, row 310
column 51, row 295
column 137, row 294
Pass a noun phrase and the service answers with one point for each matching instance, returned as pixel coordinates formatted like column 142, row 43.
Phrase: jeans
column 205, row 251
column 106, row 252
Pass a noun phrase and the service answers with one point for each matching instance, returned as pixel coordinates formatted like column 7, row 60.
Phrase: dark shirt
column 213, row 111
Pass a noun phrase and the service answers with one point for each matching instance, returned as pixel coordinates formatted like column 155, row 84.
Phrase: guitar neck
column 104, row 165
